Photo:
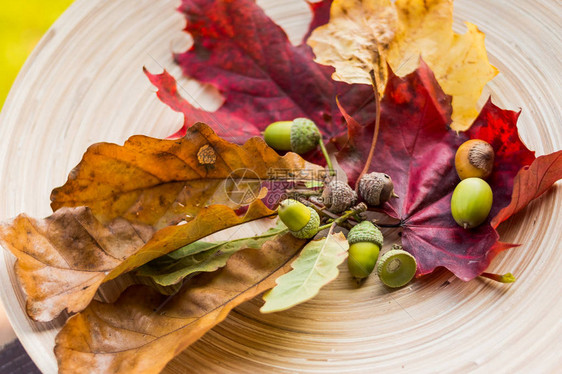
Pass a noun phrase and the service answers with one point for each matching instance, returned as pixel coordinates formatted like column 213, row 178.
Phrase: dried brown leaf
column 64, row 258
column 143, row 330
column 144, row 199
column 163, row 182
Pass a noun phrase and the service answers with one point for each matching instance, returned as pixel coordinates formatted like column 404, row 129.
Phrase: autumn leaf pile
column 142, row 208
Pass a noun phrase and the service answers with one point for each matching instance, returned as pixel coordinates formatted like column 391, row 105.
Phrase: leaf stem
column 327, row 157
column 505, row 278
column 304, row 192
column 374, row 82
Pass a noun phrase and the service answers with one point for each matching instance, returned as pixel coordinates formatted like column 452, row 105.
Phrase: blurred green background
column 22, row 24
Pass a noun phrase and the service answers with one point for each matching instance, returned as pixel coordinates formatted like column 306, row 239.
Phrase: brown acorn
column 338, row 196
column 474, row 159
column 376, row 188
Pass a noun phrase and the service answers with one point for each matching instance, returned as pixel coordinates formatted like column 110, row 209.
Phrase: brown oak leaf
column 144, row 199
column 143, row 330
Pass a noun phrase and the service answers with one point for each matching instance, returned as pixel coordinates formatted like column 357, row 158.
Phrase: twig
column 320, row 210
column 340, row 220
column 304, row 192
column 375, row 84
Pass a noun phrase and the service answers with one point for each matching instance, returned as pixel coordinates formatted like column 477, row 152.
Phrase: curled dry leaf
column 366, row 35
column 143, row 330
column 419, row 150
column 145, row 199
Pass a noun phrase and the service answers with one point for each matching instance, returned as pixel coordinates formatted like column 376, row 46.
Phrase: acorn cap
column 304, row 135
column 376, row 188
column 311, row 228
column 365, row 232
column 338, row 196
column 396, row 268
column 481, row 156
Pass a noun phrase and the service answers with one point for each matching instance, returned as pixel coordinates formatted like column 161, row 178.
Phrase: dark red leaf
column 320, row 15
column 417, row 148
column 412, row 102
column 530, row 183
column 262, row 77
column 168, row 93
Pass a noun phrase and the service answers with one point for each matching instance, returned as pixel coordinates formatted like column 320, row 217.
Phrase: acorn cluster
column 374, row 189
column 396, row 267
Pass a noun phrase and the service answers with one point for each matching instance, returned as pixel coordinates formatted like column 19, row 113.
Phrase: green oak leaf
column 316, row 266
column 202, row 256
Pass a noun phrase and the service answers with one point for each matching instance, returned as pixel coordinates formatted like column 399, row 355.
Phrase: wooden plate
column 84, row 84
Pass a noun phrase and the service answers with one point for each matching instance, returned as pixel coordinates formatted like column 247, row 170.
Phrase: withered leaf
column 163, row 182
column 145, row 199
column 365, row 35
column 143, row 330
column 64, row 258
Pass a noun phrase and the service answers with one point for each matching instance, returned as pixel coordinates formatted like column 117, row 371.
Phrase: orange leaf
column 145, row 199
column 162, row 182
column 143, row 330
column 64, row 258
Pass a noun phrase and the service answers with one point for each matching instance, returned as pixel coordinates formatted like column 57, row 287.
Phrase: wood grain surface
column 84, row 84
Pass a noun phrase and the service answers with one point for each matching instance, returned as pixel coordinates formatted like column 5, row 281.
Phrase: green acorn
column 471, row 202
column 365, row 241
column 376, row 188
column 396, row 267
column 300, row 135
column 302, row 221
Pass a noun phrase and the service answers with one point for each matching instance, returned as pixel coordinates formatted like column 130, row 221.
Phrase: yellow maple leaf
column 366, row 35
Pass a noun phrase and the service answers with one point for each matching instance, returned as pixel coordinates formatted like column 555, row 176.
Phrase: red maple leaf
column 262, row 76
column 416, row 148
